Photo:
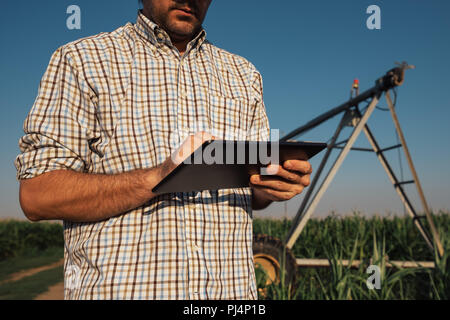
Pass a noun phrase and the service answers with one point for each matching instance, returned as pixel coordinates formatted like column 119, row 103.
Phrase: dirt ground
column 29, row 272
column 55, row 292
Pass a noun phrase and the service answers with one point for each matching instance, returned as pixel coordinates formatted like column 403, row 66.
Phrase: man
column 110, row 112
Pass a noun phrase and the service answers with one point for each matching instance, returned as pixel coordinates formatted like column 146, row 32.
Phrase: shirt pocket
column 230, row 118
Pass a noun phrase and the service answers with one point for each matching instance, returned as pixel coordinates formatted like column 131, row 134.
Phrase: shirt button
column 192, row 206
column 195, row 248
column 160, row 36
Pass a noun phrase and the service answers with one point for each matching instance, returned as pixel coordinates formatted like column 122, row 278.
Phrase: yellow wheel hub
column 269, row 265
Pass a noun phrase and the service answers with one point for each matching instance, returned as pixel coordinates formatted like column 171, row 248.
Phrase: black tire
column 271, row 249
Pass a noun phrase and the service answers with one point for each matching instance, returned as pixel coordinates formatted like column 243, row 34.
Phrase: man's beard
column 182, row 32
column 187, row 30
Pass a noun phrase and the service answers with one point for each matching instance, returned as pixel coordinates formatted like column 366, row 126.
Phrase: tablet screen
column 222, row 164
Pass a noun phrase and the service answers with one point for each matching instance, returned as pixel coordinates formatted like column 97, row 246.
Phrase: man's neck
column 180, row 45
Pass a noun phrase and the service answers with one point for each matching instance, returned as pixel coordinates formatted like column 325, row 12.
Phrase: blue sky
column 308, row 52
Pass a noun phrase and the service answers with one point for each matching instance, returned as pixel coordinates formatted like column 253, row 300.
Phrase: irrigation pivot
column 356, row 117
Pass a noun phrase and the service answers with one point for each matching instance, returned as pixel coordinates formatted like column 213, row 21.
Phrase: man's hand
column 286, row 182
column 189, row 145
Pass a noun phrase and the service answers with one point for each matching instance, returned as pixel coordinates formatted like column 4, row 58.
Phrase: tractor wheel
column 270, row 254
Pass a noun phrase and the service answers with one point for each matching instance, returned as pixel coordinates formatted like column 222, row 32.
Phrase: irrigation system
column 354, row 113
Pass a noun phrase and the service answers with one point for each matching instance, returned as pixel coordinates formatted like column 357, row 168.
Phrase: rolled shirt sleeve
column 60, row 123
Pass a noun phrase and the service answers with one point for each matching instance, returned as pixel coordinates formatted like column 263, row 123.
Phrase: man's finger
column 278, row 170
column 274, row 195
column 305, row 180
column 276, row 183
column 298, row 165
column 189, row 145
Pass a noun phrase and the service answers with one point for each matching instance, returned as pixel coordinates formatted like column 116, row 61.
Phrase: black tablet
column 223, row 164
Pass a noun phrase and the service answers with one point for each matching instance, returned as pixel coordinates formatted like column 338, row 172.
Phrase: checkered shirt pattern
column 125, row 100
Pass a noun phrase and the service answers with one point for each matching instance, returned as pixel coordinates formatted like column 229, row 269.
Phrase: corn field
column 375, row 241
column 18, row 238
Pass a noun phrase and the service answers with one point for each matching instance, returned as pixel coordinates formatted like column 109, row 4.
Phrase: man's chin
column 182, row 29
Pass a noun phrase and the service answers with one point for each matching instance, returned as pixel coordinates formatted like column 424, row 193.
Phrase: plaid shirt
column 125, row 100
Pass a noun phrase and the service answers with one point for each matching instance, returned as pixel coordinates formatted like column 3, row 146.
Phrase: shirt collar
column 156, row 35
